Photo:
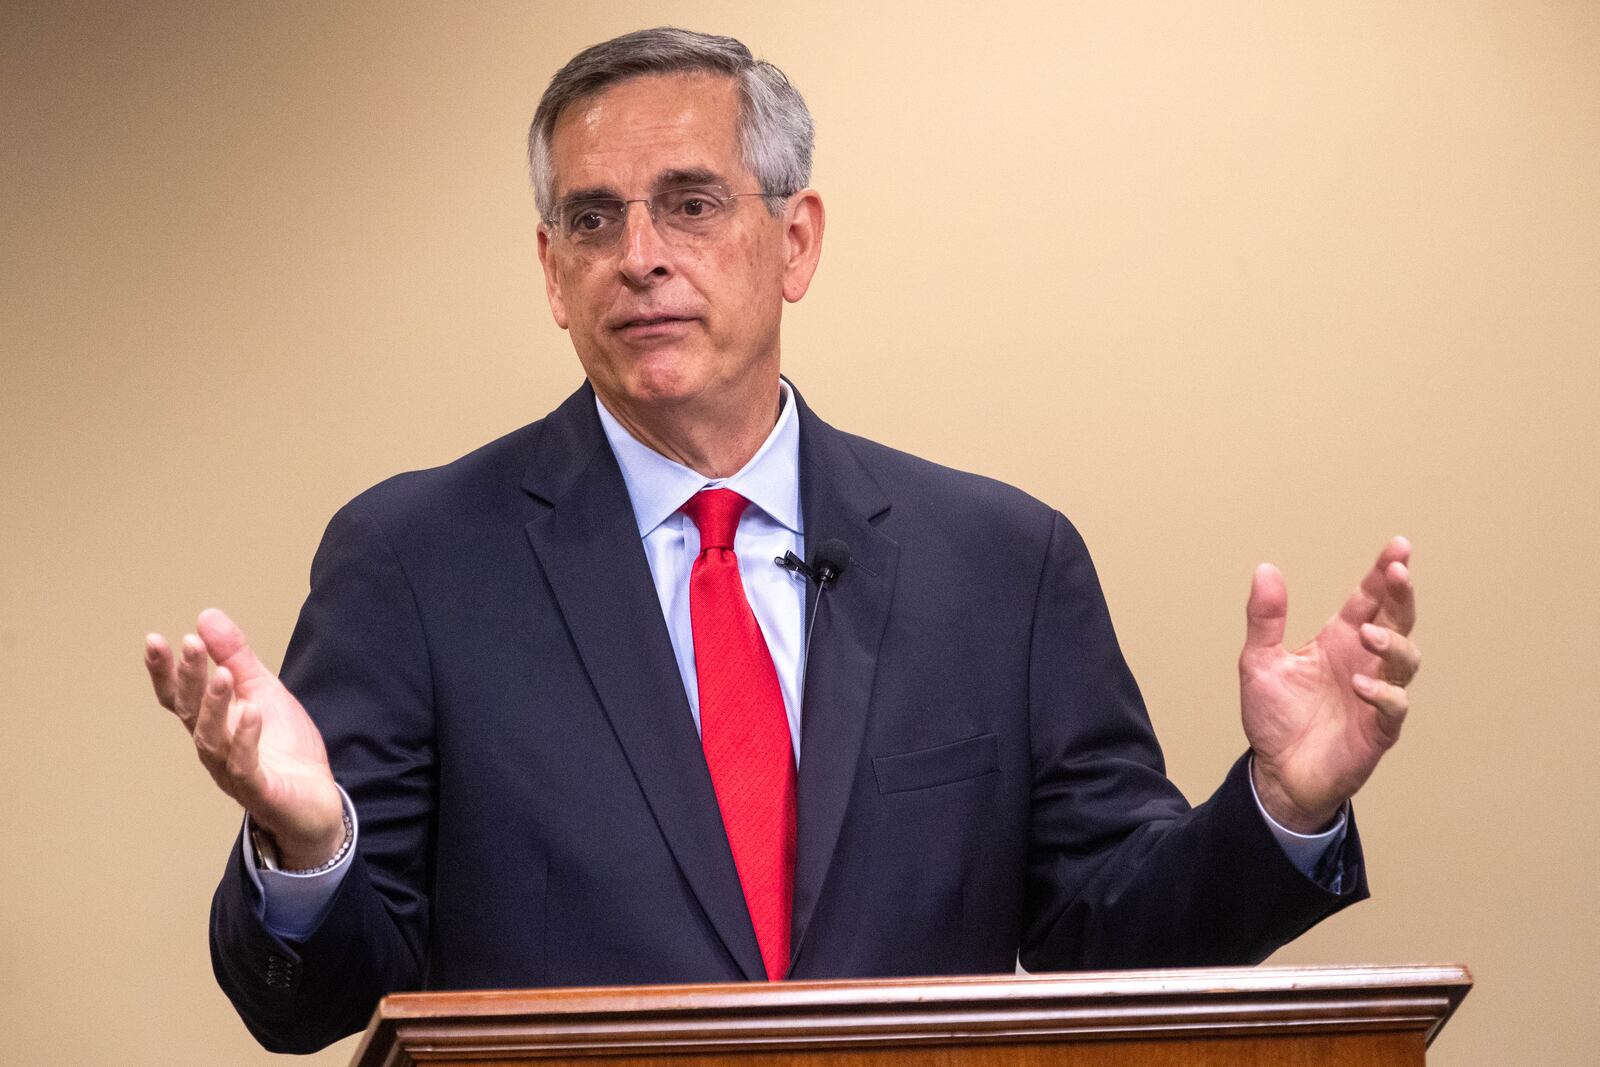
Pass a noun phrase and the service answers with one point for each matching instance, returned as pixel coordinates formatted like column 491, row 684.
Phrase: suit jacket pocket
column 927, row 767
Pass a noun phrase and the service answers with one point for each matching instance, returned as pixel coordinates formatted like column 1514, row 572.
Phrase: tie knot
column 716, row 512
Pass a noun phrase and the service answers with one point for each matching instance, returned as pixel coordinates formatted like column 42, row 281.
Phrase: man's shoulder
column 470, row 482
column 478, row 499
column 894, row 465
column 496, row 477
column 926, row 494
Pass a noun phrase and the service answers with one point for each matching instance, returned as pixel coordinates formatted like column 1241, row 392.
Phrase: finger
column 227, row 645
column 244, row 749
column 1266, row 613
column 1400, row 597
column 1401, row 658
column 1363, row 604
column 211, row 724
column 192, row 669
column 1390, row 701
column 158, row 662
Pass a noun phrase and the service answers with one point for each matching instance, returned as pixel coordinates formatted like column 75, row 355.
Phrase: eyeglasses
column 684, row 214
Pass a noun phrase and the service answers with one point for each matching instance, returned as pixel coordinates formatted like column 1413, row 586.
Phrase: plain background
column 1224, row 281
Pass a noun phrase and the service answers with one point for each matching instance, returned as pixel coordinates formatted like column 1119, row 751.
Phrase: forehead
column 626, row 138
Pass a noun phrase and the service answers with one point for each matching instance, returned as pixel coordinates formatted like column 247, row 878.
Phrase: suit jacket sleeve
column 1121, row 872
column 358, row 661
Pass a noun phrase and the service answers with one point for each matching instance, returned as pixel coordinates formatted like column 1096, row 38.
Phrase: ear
column 803, row 224
column 552, row 277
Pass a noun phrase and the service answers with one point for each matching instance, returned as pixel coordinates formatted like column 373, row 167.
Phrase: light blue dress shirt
column 293, row 904
column 769, row 527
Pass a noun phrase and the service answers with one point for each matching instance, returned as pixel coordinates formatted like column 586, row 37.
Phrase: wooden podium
column 1260, row 1016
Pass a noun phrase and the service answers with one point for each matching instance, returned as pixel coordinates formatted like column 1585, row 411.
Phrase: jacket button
column 280, row 972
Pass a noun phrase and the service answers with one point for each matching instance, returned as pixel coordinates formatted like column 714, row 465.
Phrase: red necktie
column 743, row 726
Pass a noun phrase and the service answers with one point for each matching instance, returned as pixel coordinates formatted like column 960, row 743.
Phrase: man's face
column 658, row 321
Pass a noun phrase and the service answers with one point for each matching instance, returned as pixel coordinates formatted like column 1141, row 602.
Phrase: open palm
column 253, row 736
column 1320, row 717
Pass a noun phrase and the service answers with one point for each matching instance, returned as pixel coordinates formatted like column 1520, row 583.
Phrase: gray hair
column 775, row 130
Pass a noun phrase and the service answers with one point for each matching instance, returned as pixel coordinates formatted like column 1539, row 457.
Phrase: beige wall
column 1224, row 281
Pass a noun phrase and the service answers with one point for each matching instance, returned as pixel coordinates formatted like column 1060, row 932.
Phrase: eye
column 590, row 217
column 690, row 205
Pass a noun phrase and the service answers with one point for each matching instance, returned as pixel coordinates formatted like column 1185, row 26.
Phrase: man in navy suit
column 499, row 752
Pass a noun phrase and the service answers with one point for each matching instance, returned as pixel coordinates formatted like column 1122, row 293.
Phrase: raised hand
column 1319, row 718
column 260, row 746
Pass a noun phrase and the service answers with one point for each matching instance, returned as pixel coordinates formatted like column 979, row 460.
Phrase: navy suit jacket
column 486, row 657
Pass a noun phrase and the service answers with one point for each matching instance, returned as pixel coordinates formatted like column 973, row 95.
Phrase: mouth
column 656, row 329
column 649, row 322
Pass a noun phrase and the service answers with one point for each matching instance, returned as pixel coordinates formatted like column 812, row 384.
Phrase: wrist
column 301, row 853
column 1285, row 810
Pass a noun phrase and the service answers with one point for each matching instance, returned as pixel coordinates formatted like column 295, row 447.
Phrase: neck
column 713, row 439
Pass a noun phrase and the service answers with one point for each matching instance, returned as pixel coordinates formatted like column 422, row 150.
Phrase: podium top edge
column 1449, row 980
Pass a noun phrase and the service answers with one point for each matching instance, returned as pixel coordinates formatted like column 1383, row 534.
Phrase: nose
column 644, row 253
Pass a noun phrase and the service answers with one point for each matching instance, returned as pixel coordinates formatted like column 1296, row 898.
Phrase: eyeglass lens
column 684, row 212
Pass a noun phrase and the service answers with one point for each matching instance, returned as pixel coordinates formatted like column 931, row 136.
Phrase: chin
column 665, row 383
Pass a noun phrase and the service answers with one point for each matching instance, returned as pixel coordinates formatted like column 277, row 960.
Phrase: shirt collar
column 658, row 486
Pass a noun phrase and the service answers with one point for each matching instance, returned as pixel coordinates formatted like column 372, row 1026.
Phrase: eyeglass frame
column 713, row 190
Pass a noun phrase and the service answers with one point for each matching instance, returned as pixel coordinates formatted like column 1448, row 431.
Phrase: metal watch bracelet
column 267, row 856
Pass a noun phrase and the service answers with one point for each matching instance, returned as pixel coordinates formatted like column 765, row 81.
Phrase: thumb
column 1267, row 612
column 227, row 646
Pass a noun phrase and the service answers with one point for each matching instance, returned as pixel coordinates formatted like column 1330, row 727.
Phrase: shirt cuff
column 1306, row 851
column 291, row 905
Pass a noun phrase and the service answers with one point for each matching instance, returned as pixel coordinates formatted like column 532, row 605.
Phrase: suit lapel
column 588, row 544
column 840, row 500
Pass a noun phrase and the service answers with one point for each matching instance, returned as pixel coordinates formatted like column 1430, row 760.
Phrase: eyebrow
column 691, row 176
column 594, row 192
column 670, row 179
